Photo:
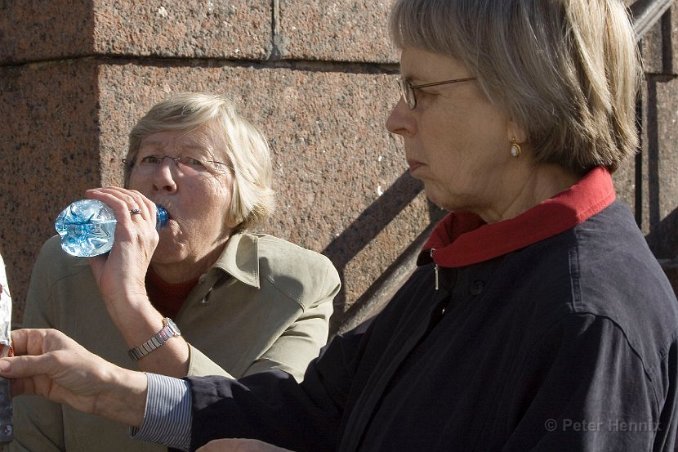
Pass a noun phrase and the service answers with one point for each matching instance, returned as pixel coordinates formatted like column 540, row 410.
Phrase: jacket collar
column 463, row 238
column 240, row 259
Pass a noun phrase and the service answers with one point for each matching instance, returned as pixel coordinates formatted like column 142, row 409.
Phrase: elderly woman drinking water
column 204, row 296
column 538, row 318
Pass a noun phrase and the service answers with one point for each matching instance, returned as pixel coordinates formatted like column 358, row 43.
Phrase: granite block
column 49, row 154
column 659, row 47
column 236, row 29
column 660, row 213
column 36, row 30
column 667, row 140
column 659, row 181
column 335, row 30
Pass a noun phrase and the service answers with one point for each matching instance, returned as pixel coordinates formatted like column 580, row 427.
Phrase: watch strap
column 168, row 331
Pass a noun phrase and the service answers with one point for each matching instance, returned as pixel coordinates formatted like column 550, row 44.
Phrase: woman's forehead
column 200, row 139
column 416, row 63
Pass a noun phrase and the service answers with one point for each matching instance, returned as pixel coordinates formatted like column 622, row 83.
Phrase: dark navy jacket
column 567, row 344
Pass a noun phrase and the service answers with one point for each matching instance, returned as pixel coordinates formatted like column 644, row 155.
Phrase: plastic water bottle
column 87, row 227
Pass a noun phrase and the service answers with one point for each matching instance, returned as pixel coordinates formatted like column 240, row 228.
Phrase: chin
column 446, row 200
column 437, row 202
column 167, row 255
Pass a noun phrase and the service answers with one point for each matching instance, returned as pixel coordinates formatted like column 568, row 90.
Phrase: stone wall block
column 335, row 30
column 660, row 216
column 659, row 158
column 36, row 30
column 188, row 28
column 660, row 46
column 49, row 154
column 666, row 107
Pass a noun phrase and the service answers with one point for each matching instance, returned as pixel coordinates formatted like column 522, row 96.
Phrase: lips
column 414, row 164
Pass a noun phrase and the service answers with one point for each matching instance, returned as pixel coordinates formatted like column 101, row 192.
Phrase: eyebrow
column 182, row 146
column 412, row 78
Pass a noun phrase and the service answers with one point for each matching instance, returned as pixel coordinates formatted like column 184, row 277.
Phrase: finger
column 36, row 341
column 97, row 264
column 20, row 341
column 126, row 204
column 28, row 366
column 134, row 198
column 150, row 206
column 28, row 341
column 34, row 375
column 27, row 386
column 112, row 199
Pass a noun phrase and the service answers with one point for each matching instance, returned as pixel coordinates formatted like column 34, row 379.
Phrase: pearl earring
column 515, row 148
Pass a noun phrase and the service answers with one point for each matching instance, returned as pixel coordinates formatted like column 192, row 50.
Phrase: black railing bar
column 646, row 13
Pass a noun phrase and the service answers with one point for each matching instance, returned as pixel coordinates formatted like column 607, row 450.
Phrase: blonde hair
column 245, row 149
column 566, row 71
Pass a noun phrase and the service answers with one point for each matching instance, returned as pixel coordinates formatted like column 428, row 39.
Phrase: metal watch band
column 168, row 331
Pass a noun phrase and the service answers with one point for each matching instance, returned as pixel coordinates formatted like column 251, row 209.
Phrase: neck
column 188, row 269
column 529, row 186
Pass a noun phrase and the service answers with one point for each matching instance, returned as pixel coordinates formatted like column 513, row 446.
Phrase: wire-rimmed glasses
column 186, row 164
column 407, row 88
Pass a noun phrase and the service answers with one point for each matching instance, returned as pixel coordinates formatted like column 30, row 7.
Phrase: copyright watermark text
column 609, row 425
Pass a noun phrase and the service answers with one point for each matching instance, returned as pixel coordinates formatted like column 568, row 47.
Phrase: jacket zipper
column 435, row 269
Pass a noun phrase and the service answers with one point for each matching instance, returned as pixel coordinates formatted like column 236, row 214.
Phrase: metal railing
column 646, row 13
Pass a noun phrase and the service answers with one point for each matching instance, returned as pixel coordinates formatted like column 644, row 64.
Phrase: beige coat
column 265, row 304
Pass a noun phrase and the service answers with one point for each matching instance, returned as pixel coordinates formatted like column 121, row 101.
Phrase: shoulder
column 618, row 277
column 60, row 284
column 281, row 255
column 54, row 263
column 602, row 266
column 301, row 273
column 610, row 256
column 604, row 269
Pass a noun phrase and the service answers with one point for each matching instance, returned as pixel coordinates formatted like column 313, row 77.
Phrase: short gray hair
column 245, row 148
column 566, row 71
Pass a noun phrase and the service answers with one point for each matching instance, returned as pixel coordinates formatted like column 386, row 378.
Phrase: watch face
column 173, row 326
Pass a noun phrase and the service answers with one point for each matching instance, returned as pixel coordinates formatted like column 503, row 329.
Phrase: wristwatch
column 168, row 331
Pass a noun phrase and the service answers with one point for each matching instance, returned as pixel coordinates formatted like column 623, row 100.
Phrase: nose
column 401, row 120
column 163, row 177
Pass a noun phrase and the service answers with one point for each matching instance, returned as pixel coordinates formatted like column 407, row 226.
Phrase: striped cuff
column 168, row 416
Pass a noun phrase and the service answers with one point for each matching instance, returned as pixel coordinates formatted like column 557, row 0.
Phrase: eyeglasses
column 407, row 89
column 186, row 164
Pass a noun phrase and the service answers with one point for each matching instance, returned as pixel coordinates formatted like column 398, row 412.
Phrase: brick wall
column 318, row 76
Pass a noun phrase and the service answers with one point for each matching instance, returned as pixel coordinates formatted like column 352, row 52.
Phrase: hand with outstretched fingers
column 50, row 364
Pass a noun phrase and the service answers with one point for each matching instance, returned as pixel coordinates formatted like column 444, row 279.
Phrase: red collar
column 463, row 238
column 167, row 297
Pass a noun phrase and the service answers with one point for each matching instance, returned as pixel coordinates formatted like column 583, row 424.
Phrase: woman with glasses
column 203, row 295
column 538, row 318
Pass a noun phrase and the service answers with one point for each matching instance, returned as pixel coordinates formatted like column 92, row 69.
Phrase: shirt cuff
column 168, row 415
